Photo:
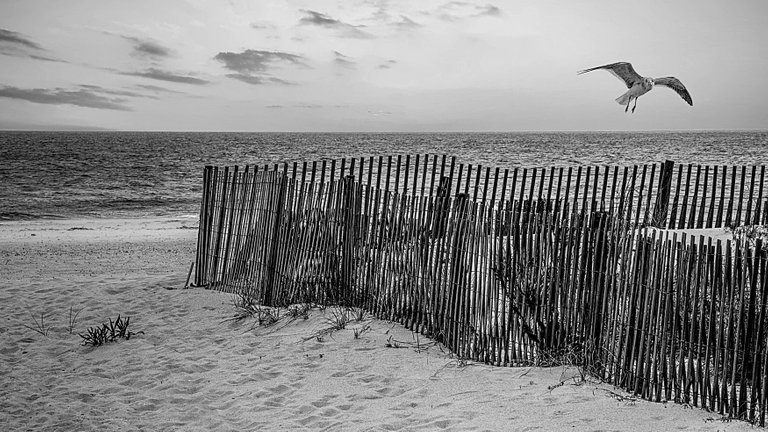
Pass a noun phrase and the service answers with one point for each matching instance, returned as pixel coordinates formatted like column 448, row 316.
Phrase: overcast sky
column 379, row 65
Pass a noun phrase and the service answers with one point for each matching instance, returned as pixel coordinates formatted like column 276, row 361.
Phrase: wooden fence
column 661, row 195
column 524, row 279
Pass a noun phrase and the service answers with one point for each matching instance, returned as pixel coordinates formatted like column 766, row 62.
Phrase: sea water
column 127, row 174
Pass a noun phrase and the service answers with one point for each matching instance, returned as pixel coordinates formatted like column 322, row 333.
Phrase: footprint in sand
column 280, row 389
column 324, row 401
column 274, row 402
column 368, row 378
column 390, row 392
column 330, row 412
column 304, row 410
column 306, row 421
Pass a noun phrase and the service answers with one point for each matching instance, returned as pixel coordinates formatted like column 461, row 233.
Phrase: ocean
column 135, row 174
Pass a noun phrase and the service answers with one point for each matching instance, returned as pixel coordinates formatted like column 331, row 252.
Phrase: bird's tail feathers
column 623, row 99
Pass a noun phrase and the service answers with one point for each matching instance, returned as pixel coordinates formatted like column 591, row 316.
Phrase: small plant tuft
column 360, row 330
column 299, row 311
column 339, row 318
column 391, row 343
column 40, row 326
column 73, row 314
column 359, row 314
column 245, row 307
column 117, row 329
column 416, row 344
column 268, row 316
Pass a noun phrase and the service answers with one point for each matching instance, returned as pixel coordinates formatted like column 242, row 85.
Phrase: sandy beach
column 193, row 369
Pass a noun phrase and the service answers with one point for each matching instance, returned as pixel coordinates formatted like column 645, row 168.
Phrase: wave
column 24, row 216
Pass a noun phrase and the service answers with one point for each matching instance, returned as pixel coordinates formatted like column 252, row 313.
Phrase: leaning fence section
column 527, row 279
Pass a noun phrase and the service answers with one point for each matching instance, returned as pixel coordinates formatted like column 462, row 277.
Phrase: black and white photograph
column 383, row 215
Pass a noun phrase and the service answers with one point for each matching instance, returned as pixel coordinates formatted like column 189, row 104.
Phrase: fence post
column 203, row 228
column 220, row 229
column 231, row 232
column 442, row 209
column 275, row 245
column 348, row 238
column 600, row 224
column 458, row 270
column 661, row 207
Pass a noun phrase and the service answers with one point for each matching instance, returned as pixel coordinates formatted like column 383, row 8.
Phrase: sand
column 192, row 369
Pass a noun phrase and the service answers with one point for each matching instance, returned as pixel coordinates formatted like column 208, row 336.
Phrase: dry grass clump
column 118, row 329
column 246, row 307
column 573, row 355
column 339, row 318
column 39, row 326
column 73, row 314
column 359, row 314
column 358, row 331
column 299, row 311
column 43, row 327
column 416, row 343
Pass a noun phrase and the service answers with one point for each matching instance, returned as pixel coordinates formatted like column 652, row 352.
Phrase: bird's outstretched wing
column 621, row 70
column 675, row 85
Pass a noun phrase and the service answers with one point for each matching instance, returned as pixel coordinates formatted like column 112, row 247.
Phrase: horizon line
column 98, row 130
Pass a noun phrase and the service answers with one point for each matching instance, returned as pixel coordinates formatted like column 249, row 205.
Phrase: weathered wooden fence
column 661, row 195
column 523, row 279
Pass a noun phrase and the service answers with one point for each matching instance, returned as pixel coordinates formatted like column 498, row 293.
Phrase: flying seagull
column 639, row 85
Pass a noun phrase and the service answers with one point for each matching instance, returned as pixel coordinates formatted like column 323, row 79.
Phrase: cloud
column 15, row 45
column 151, row 49
column 43, row 58
column 255, row 61
column 406, row 23
column 157, row 74
column 457, row 10
column 13, row 38
column 262, row 25
column 145, row 48
column 344, row 30
column 148, row 49
column 253, row 66
column 258, row 80
column 83, row 97
column 387, row 64
column 99, row 89
column 343, row 61
column 490, row 10
column 156, row 89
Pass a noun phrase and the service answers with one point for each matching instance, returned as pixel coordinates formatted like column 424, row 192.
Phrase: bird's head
column 648, row 82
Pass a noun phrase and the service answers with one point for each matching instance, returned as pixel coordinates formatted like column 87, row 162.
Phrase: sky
column 378, row 65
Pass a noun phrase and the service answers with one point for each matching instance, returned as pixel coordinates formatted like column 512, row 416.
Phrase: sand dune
column 192, row 369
